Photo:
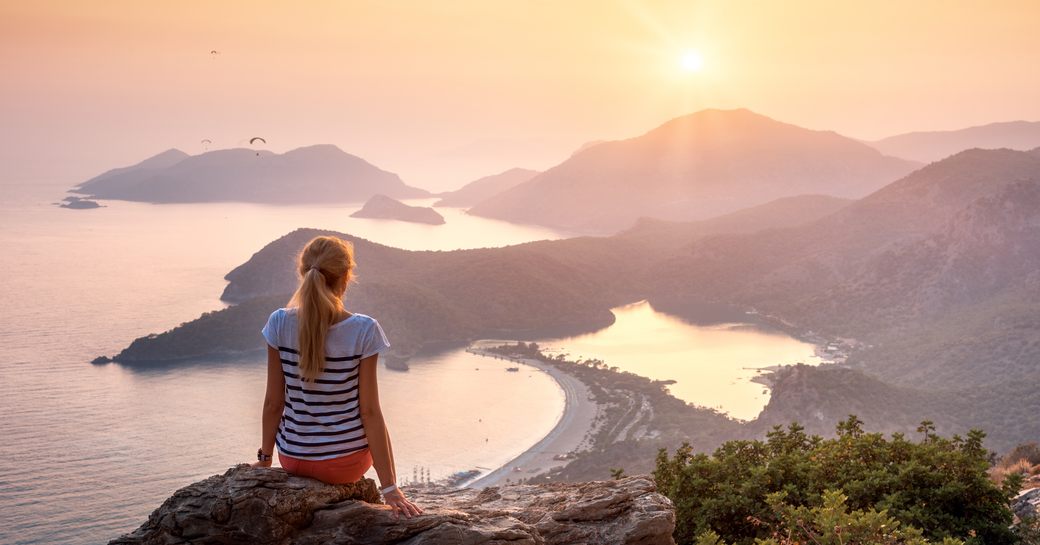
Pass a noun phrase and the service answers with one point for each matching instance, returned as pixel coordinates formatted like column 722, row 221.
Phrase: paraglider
column 254, row 139
column 214, row 52
column 207, row 141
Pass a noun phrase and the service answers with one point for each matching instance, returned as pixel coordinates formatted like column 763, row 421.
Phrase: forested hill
column 931, row 270
column 522, row 291
column 939, row 271
column 936, row 276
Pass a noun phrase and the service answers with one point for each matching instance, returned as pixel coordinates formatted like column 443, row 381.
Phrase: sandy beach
column 570, row 431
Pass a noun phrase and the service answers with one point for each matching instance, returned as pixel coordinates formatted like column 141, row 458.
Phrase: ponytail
column 324, row 263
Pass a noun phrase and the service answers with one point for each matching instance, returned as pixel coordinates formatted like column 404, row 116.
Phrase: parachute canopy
column 256, row 139
column 207, row 141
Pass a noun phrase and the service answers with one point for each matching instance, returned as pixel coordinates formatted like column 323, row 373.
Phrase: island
column 310, row 174
column 382, row 207
column 78, row 203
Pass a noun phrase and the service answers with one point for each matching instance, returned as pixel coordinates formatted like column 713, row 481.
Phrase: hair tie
column 315, row 269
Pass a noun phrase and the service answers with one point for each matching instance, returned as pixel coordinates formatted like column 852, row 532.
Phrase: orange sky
column 444, row 92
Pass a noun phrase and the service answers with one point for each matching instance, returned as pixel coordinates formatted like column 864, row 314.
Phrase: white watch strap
column 388, row 489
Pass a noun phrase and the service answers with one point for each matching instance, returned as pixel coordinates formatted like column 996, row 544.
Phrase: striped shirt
column 322, row 418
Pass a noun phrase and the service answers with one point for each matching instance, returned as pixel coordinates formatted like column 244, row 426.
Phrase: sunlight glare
column 691, row 61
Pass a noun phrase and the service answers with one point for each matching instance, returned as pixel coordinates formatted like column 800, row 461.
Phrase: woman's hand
column 266, row 463
column 400, row 504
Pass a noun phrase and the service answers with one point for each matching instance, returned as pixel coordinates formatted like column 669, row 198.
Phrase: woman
column 322, row 403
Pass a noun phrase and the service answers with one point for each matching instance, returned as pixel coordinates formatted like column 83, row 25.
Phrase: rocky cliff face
column 269, row 506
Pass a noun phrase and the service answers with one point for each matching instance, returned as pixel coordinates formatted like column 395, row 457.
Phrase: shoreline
column 569, row 433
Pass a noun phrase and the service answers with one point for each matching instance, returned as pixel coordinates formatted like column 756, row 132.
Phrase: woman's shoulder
column 281, row 313
column 360, row 318
column 272, row 330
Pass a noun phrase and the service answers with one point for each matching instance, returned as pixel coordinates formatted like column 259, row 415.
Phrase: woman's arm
column 274, row 404
column 379, row 438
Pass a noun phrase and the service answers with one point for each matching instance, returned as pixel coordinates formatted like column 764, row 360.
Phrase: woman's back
column 322, row 418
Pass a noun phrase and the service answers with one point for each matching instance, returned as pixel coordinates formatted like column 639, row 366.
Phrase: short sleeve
column 271, row 328
column 375, row 340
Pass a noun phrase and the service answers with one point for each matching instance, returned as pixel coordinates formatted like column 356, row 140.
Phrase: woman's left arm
column 274, row 404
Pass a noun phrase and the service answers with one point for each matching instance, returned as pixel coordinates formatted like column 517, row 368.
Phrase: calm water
column 712, row 365
column 89, row 451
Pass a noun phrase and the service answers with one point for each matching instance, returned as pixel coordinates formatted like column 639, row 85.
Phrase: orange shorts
column 342, row 470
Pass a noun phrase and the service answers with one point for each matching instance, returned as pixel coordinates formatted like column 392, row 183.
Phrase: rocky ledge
column 269, row 506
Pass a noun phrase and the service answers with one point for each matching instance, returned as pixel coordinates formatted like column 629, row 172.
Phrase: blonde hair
column 325, row 266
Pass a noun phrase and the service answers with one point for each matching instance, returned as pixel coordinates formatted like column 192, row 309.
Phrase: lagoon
column 712, row 365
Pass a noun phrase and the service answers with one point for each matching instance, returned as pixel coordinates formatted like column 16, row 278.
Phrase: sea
column 90, row 450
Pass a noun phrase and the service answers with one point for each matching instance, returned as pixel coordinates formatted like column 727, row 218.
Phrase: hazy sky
column 443, row 92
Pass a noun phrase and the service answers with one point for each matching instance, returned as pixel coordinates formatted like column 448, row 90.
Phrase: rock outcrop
column 269, row 506
column 1027, row 504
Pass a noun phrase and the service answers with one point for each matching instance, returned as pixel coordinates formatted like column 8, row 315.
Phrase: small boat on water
column 512, row 369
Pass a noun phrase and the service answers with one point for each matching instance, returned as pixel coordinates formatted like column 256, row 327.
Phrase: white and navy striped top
column 322, row 418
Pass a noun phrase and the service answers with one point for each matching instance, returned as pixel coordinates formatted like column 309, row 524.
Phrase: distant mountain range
column 705, row 164
column 935, row 275
column 312, row 174
column 485, row 188
column 928, row 146
column 698, row 166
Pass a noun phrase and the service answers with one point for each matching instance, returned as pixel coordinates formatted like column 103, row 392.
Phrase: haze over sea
column 90, row 450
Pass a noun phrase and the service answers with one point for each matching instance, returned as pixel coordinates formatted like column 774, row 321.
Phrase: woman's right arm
column 379, row 438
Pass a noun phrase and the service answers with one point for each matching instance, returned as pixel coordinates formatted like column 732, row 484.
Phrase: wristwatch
column 261, row 456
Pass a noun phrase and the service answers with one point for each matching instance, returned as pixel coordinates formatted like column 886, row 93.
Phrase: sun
column 691, row 61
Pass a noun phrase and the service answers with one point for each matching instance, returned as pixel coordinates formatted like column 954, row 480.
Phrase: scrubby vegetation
column 798, row 488
column 818, row 396
column 830, row 523
column 1024, row 461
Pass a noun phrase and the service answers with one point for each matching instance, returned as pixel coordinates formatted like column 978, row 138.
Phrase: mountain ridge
column 928, row 146
column 485, row 187
column 686, row 168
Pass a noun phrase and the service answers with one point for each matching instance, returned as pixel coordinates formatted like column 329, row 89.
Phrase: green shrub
column 831, row 524
column 936, row 485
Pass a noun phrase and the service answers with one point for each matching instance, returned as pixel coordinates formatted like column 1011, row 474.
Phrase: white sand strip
column 579, row 414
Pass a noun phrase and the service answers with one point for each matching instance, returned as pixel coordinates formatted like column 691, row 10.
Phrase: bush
column 937, row 485
column 831, row 524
